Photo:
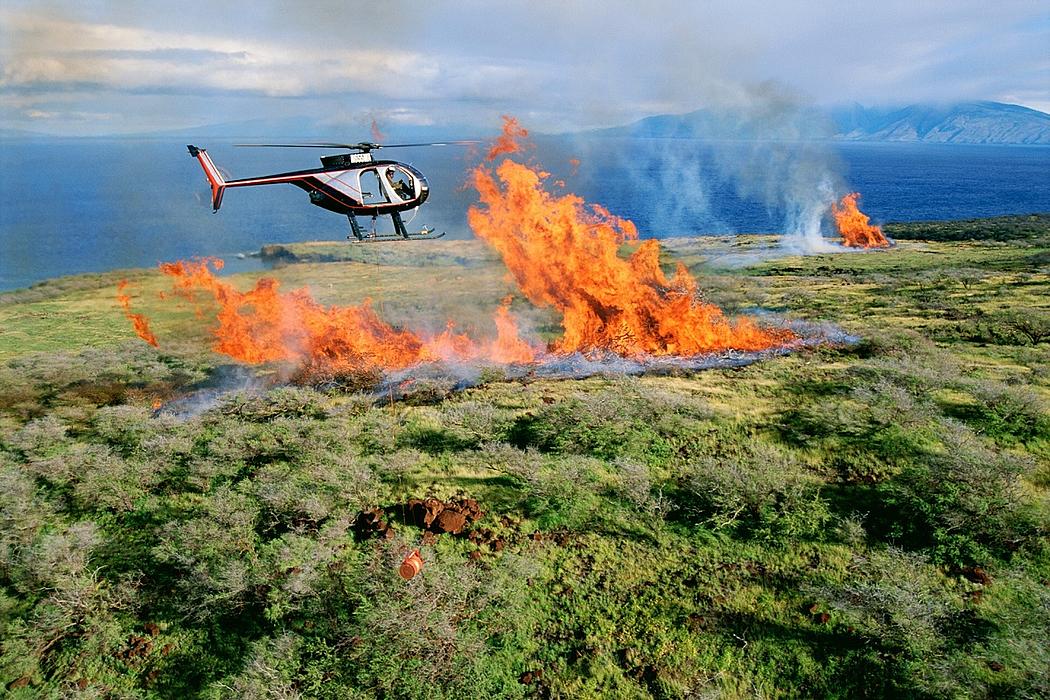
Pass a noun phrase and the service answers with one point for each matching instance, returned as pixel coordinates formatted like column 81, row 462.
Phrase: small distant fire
column 854, row 225
column 563, row 254
column 139, row 322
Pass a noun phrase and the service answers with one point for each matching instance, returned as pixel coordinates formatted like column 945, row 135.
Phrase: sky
column 89, row 67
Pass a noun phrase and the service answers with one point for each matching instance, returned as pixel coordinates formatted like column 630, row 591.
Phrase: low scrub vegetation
column 863, row 521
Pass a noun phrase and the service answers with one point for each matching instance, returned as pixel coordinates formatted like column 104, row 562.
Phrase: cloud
column 67, row 115
column 61, row 54
column 560, row 65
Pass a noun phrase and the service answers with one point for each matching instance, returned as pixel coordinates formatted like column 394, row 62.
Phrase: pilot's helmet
column 390, row 171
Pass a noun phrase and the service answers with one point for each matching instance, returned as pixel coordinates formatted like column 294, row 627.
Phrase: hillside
column 964, row 123
column 971, row 122
column 865, row 519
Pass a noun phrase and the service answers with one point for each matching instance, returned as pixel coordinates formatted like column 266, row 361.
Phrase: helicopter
column 353, row 184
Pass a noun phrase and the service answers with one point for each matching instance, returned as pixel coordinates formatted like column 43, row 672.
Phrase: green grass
column 868, row 521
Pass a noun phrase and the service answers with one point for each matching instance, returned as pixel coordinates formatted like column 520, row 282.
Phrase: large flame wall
column 567, row 257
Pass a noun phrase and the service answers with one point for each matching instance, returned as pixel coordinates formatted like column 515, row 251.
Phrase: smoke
column 775, row 150
column 454, row 376
column 764, row 144
column 224, row 381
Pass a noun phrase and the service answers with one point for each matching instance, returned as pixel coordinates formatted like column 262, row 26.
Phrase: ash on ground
column 432, row 382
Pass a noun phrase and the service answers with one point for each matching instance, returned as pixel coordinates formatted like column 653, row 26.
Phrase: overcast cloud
column 107, row 67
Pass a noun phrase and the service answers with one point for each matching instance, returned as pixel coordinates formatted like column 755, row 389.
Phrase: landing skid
column 393, row 237
column 400, row 233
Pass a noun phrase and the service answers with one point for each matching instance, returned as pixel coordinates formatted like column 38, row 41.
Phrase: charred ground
column 864, row 521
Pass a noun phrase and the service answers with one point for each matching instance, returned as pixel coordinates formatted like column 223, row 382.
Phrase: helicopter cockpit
column 399, row 183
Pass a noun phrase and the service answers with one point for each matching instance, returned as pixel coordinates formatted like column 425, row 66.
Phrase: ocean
column 78, row 205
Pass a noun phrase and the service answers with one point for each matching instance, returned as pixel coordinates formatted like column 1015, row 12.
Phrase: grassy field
column 864, row 521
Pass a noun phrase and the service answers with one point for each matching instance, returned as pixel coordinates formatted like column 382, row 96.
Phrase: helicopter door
column 372, row 191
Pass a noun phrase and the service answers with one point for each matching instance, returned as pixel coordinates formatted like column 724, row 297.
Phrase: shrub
column 24, row 516
column 374, row 432
column 1028, row 327
column 424, row 391
column 126, row 427
column 40, row 439
column 869, row 435
column 963, row 500
column 282, row 402
column 69, row 616
column 32, row 384
column 215, row 552
column 270, row 671
column 634, row 484
column 396, row 466
column 898, row 603
column 626, row 419
column 565, row 492
column 1009, row 413
column 105, row 481
column 757, row 488
column 446, row 634
column 477, row 422
column 305, row 493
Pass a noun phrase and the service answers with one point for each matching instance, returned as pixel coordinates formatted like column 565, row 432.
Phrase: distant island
column 960, row 123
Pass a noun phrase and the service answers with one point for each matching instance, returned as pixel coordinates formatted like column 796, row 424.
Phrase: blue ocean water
column 70, row 206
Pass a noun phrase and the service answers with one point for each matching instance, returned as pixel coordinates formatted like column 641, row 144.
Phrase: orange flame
column 508, row 142
column 265, row 324
column 377, row 134
column 564, row 256
column 139, row 322
column 854, row 225
column 509, row 348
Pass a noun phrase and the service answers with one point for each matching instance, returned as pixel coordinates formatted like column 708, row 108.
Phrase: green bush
column 899, row 605
column 76, row 383
column 281, row 402
column 757, row 489
column 626, row 419
column 449, row 633
column 964, row 500
column 1011, row 327
column 869, row 435
column 1009, row 414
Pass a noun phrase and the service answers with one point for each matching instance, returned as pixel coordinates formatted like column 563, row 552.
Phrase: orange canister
column 411, row 566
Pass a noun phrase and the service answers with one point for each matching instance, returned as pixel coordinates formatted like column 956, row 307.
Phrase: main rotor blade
column 434, row 143
column 299, row 145
column 364, row 146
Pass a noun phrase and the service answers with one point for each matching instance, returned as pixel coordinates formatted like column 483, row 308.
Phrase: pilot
column 402, row 188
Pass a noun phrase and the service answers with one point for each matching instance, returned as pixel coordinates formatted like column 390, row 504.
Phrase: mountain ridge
column 974, row 123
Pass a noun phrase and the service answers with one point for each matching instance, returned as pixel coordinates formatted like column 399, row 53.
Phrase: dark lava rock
column 370, row 523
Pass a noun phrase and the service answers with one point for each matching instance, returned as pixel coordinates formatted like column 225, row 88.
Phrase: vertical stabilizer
column 215, row 179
